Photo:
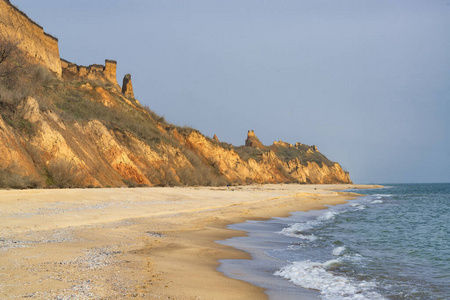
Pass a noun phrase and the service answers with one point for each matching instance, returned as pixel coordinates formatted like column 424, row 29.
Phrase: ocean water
column 392, row 243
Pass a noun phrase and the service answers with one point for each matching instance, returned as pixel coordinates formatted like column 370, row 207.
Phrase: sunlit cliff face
column 74, row 126
column 29, row 37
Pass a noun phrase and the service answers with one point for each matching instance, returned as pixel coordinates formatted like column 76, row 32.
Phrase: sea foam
column 329, row 215
column 377, row 201
column 338, row 251
column 314, row 275
column 358, row 206
column 298, row 229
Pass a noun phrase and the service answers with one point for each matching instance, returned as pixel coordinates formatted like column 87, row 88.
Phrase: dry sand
column 147, row 243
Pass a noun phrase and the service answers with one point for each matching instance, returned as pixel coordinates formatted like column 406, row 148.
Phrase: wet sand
column 146, row 243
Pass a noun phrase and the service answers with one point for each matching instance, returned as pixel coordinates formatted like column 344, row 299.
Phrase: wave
column 320, row 276
column 329, row 215
column 358, row 206
column 309, row 237
column 314, row 275
column 344, row 252
column 338, row 251
column 297, row 230
column 383, row 195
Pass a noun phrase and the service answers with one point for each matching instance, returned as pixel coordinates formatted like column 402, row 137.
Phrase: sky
column 367, row 81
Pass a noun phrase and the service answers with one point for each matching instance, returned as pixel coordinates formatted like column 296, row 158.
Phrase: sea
column 391, row 243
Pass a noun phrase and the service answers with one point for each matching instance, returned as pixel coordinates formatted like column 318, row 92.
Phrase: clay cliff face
column 95, row 155
column 15, row 26
column 269, row 168
column 79, row 128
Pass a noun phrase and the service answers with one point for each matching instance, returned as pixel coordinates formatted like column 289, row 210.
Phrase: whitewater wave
column 377, row 201
column 329, row 215
column 382, row 195
column 358, row 206
column 314, row 275
column 338, row 251
column 298, row 229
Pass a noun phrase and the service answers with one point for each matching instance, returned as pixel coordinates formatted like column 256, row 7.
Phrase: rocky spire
column 127, row 87
column 253, row 141
column 110, row 71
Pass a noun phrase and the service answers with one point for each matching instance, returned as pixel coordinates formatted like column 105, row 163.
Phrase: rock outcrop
column 253, row 141
column 110, row 71
column 127, row 86
column 105, row 73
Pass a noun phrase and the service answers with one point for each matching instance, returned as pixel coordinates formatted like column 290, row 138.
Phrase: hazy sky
column 367, row 81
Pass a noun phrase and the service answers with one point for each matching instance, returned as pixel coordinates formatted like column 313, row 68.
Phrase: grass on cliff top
column 75, row 104
column 284, row 154
column 301, row 152
column 245, row 153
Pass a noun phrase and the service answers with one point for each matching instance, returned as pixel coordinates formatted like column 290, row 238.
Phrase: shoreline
column 149, row 243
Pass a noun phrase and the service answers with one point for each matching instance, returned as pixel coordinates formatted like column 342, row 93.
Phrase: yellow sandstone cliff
column 76, row 127
column 17, row 27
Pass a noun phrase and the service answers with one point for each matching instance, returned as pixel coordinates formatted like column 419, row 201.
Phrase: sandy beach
column 146, row 243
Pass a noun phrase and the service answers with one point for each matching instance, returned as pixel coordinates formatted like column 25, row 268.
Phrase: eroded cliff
column 56, row 150
column 64, row 125
column 18, row 28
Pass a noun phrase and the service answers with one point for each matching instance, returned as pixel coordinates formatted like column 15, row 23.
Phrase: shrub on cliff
column 63, row 174
column 155, row 116
column 12, row 67
column 11, row 178
column 19, row 77
column 11, row 60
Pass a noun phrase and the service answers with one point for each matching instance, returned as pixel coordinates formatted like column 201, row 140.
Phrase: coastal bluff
column 74, row 126
column 42, row 48
column 17, row 27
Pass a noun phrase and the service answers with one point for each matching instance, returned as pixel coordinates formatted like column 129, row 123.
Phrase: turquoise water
column 393, row 243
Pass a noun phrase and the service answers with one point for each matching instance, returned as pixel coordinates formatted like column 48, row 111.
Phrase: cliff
column 17, row 27
column 105, row 73
column 79, row 128
column 57, row 151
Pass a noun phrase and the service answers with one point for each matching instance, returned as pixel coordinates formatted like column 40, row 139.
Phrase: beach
column 144, row 243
